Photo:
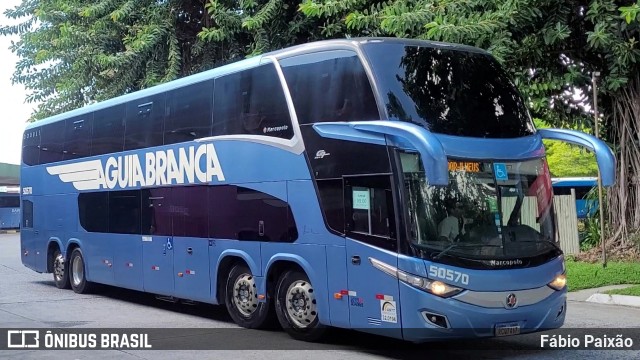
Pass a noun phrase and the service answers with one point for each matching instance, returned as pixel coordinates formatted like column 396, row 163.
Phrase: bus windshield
column 448, row 91
column 493, row 214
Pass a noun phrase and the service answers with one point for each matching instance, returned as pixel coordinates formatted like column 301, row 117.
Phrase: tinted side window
column 108, row 130
column 246, row 214
column 189, row 113
column 562, row 190
column 222, row 215
column 263, row 217
column 329, row 86
column 156, row 212
column 144, row 124
column 582, row 192
column 332, row 203
column 369, row 210
column 124, row 212
column 31, row 147
column 51, row 143
column 77, row 137
column 93, row 211
column 27, row 214
column 190, row 212
column 10, row 201
column 251, row 102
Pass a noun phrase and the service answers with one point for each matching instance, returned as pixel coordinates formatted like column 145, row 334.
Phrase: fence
column 566, row 218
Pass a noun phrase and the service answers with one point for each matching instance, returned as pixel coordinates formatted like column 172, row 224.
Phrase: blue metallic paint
column 470, row 320
column 426, row 143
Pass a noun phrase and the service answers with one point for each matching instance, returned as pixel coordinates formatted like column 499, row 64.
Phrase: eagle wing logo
column 85, row 175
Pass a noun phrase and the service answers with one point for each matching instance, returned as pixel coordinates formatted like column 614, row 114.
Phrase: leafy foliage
column 567, row 160
column 74, row 52
column 253, row 27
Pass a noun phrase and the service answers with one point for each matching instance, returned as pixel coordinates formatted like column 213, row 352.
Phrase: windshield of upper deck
column 448, row 91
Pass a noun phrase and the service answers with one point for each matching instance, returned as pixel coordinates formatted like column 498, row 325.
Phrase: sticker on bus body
column 388, row 312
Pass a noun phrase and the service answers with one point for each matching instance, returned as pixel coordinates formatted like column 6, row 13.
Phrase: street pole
column 594, row 77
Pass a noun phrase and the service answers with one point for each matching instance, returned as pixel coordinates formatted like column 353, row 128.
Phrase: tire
column 296, row 307
column 241, row 300
column 60, row 272
column 77, row 273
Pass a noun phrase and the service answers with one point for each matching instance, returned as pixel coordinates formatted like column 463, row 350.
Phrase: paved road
column 29, row 299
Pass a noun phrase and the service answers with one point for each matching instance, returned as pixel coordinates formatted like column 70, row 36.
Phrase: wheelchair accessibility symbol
column 500, row 170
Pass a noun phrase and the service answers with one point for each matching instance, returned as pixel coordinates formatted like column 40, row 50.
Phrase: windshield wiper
column 538, row 242
column 457, row 246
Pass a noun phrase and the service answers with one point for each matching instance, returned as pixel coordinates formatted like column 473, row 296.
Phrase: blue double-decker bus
column 9, row 210
column 581, row 186
column 392, row 186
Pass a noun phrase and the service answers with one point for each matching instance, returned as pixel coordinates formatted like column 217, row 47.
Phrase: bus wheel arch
column 296, row 304
column 57, row 265
column 238, row 290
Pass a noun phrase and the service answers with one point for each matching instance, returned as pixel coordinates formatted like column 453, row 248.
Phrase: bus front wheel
column 77, row 273
column 241, row 299
column 60, row 273
column 296, row 307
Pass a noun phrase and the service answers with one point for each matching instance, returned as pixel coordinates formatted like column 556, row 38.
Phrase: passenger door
column 27, row 234
column 157, row 241
column 190, row 218
column 371, row 237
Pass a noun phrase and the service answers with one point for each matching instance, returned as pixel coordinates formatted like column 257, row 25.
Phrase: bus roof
column 353, row 44
column 574, row 181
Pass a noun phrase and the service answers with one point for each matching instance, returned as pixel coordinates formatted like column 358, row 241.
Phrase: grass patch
column 633, row 291
column 581, row 275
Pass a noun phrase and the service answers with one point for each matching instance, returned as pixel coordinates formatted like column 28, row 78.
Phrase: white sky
column 15, row 111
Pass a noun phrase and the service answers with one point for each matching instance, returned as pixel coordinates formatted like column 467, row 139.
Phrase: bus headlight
column 434, row 287
column 559, row 282
column 431, row 286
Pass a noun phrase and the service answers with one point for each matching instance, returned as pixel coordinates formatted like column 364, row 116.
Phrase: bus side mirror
column 604, row 156
column 382, row 132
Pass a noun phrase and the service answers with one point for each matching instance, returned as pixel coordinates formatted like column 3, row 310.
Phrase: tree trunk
column 623, row 210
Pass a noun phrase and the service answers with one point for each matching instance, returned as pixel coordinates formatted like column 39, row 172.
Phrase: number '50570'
column 448, row 274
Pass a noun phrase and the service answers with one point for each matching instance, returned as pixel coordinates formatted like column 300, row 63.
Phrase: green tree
column 74, row 52
column 567, row 160
column 551, row 48
column 254, row 27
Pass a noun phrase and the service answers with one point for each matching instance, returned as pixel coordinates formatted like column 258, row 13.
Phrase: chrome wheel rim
column 245, row 296
column 78, row 271
column 301, row 304
column 58, row 267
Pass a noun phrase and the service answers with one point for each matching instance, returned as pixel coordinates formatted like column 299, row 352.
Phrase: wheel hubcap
column 58, row 267
column 301, row 304
column 78, row 271
column 245, row 296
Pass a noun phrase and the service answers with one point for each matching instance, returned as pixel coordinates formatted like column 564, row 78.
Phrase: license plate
column 507, row 329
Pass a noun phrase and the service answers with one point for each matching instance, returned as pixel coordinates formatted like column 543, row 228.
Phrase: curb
column 625, row 300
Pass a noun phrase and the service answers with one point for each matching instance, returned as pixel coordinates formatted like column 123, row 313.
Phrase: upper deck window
column 448, row 91
column 329, row 86
column 188, row 113
column 251, row 102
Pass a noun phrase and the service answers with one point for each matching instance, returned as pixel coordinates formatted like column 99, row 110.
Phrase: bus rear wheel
column 241, row 299
column 77, row 273
column 296, row 307
column 60, row 273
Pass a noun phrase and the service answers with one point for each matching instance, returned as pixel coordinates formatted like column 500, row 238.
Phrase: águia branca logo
column 164, row 167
